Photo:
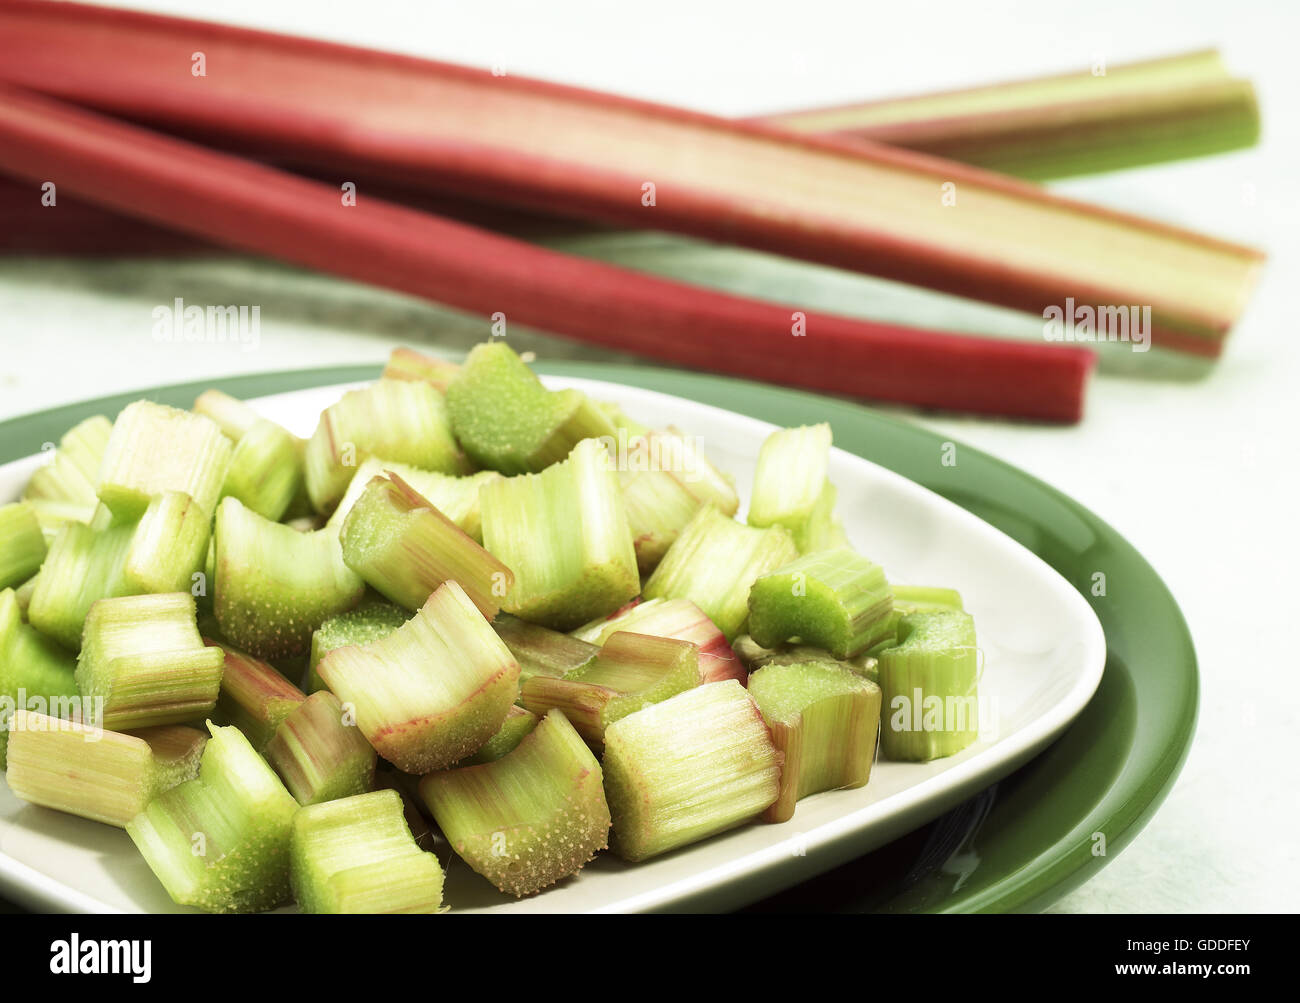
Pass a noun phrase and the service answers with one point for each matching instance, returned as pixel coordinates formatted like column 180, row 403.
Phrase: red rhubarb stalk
column 855, row 205
column 252, row 207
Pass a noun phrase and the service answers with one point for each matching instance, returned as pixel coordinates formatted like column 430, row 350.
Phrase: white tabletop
column 1200, row 474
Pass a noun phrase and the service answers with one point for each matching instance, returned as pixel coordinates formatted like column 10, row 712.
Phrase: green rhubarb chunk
column 790, row 485
column 540, row 650
column 680, row 771
column 518, row 723
column 408, row 364
column 631, row 672
column 170, row 545
column 221, row 842
column 83, row 565
column 831, row 599
column 85, row 770
column 930, row 680
column 715, row 561
column 529, row 819
column 319, row 752
column 564, row 534
column 431, row 692
column 143, row 657
column 156, row 448
column 63, row 488
column 255, row 697
column 22, row 544
column 507, row 421
column 266, row 469
column 397, row 420
column 824, row 720
column 35, row 673
column 405, row 548
column 373, row 619
column 915, row 599
column 357, row 855
column 455, row 497
column 274, row 585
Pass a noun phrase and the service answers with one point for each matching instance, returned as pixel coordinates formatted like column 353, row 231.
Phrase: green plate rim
column 1076, row 804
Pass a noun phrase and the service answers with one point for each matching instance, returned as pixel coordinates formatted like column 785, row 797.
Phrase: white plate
column 1043, row 654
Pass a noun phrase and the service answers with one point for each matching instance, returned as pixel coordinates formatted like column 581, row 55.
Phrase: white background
column 1198, row 470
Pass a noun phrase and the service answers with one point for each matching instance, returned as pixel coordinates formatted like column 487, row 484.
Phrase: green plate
column 1030, row 838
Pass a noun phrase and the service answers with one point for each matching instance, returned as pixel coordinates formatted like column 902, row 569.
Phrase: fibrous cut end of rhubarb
column 405, row 548
column 320, row 753
column 368, row 622
column 528, row 819
column 255, row 697
column 507, row 421
column 676, row 618
column 266, row 470
column 833, row 599
column 83, row 565
column 790, row 484
column 397, row 420
column 540, row 650
column 156, row 448
column 456, row 497
column 824, row 720
column 688, row 768
column 408, row 364
column 106, row 776
column 22, row 544
column 169, row 546
column 228, row 413
column 930, row 680
column 518, row 723
column 714, row 563
column 357, row 855
column 221, row 842
column 431, row 692
column 274, row 585
column 143, row 657
column 564, row 534
column 63, row 489
column 631, row 672
column 35, row 673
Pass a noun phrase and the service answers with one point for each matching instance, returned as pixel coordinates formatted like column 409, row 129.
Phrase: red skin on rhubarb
column 245, row 205
column 543, row 145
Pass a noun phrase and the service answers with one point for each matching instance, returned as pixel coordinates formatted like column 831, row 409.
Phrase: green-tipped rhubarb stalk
column 831, row 599
column 221, row 841
column 507, row 421
column 564, row 534
column 632, row 672
column 169, row 546
column 319, row 752
column 405, row 548
column 357, row 855
column 63, row 490
column 824, row 721
column 255, row 697
column 35, row 673
column 83, row 565
column 677, row 618
column 368, row 622
column 688, row 768
column 143, row 656
column 397, row 420
column 22, row 544
column 432, row 691
column 408, row 364
column 518, row 723
column 455, row 497
column 107, row 776
column 930, row 682
column 790, row 484
column 266, row 469
column 156, row 448
column 714, row 563
column 529, row 819
column 540, row 650
column 275, row 585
